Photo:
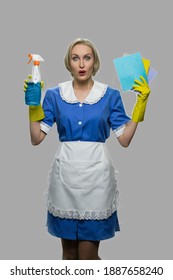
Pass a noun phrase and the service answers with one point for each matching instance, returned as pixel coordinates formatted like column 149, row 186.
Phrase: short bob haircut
column 86, row 42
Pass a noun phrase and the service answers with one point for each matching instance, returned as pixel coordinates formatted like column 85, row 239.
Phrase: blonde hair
column 85, row 42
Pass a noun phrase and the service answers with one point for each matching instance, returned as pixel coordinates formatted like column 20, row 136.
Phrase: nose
column 81, row 63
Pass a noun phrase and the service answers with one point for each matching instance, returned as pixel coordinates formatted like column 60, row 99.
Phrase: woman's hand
column 36, row 112
column 143, row 89
column 29, row 79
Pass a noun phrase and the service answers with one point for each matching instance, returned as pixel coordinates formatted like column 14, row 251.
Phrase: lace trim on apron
column 82, row 182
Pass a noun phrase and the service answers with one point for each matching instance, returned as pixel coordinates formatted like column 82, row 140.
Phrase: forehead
column 81, row 49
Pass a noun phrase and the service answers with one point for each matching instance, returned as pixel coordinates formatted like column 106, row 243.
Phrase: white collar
column 97, row 92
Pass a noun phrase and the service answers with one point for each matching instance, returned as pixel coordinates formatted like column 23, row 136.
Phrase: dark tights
column 80, row 250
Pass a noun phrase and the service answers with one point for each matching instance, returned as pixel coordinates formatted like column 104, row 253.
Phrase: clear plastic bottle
column 33, row 92
column 36, row 73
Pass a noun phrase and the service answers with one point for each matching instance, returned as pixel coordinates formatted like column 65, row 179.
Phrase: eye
column 87, row 57
column 74, row 58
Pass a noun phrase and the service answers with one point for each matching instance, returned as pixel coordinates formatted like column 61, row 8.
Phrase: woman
column 82, row 192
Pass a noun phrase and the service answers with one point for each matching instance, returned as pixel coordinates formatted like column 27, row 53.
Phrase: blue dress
column 86, row 123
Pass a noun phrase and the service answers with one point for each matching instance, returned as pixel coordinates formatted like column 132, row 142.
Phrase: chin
column 84, row 78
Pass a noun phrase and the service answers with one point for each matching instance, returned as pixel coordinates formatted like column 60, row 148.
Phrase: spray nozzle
column 36, row 58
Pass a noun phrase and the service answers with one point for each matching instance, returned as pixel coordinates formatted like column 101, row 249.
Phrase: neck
column 85, row 85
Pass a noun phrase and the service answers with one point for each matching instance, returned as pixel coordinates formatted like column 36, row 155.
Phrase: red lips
column 82, row 72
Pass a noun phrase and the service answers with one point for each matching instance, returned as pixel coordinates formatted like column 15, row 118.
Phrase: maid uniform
column 82, row 183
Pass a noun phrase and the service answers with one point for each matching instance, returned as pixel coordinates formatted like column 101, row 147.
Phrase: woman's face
column 81, row 62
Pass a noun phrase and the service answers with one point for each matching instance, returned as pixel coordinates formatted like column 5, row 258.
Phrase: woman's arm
column 125, row 138
column 36, row 114
column 138, row 112
column 37, row 135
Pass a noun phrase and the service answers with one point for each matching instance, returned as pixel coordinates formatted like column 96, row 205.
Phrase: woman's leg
column 80, row 249
column 88, row 250
column 70, row 249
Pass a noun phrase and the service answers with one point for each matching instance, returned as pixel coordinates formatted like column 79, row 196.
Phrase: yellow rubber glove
column 144, row 90
column 28, row 80
column 36, row 113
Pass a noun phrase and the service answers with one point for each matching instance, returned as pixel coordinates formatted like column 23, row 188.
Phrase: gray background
column 145, row 185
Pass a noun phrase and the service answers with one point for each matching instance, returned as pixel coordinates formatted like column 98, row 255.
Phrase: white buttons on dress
column 79, row 122
column 80, row 105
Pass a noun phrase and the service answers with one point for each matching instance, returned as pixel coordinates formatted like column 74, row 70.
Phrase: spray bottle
column 33, row 93
column 36, row 74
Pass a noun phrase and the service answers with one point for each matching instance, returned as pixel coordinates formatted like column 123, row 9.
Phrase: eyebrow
column 84, row 55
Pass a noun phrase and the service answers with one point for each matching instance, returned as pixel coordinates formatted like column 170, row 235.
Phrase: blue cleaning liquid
column 33, row 94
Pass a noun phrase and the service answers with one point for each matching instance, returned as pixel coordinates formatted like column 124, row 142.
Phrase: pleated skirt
column 74, row 229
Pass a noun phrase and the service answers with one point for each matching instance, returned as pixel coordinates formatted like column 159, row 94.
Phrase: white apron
column 82, row 182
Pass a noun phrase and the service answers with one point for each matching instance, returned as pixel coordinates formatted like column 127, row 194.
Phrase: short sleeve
column 118, row 116
column 47, row 123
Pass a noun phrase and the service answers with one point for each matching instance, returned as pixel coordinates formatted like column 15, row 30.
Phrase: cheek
column 91, row 66
column 92, row 69
column 72, row 67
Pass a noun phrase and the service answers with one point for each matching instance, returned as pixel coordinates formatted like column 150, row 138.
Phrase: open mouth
column 82, row 73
